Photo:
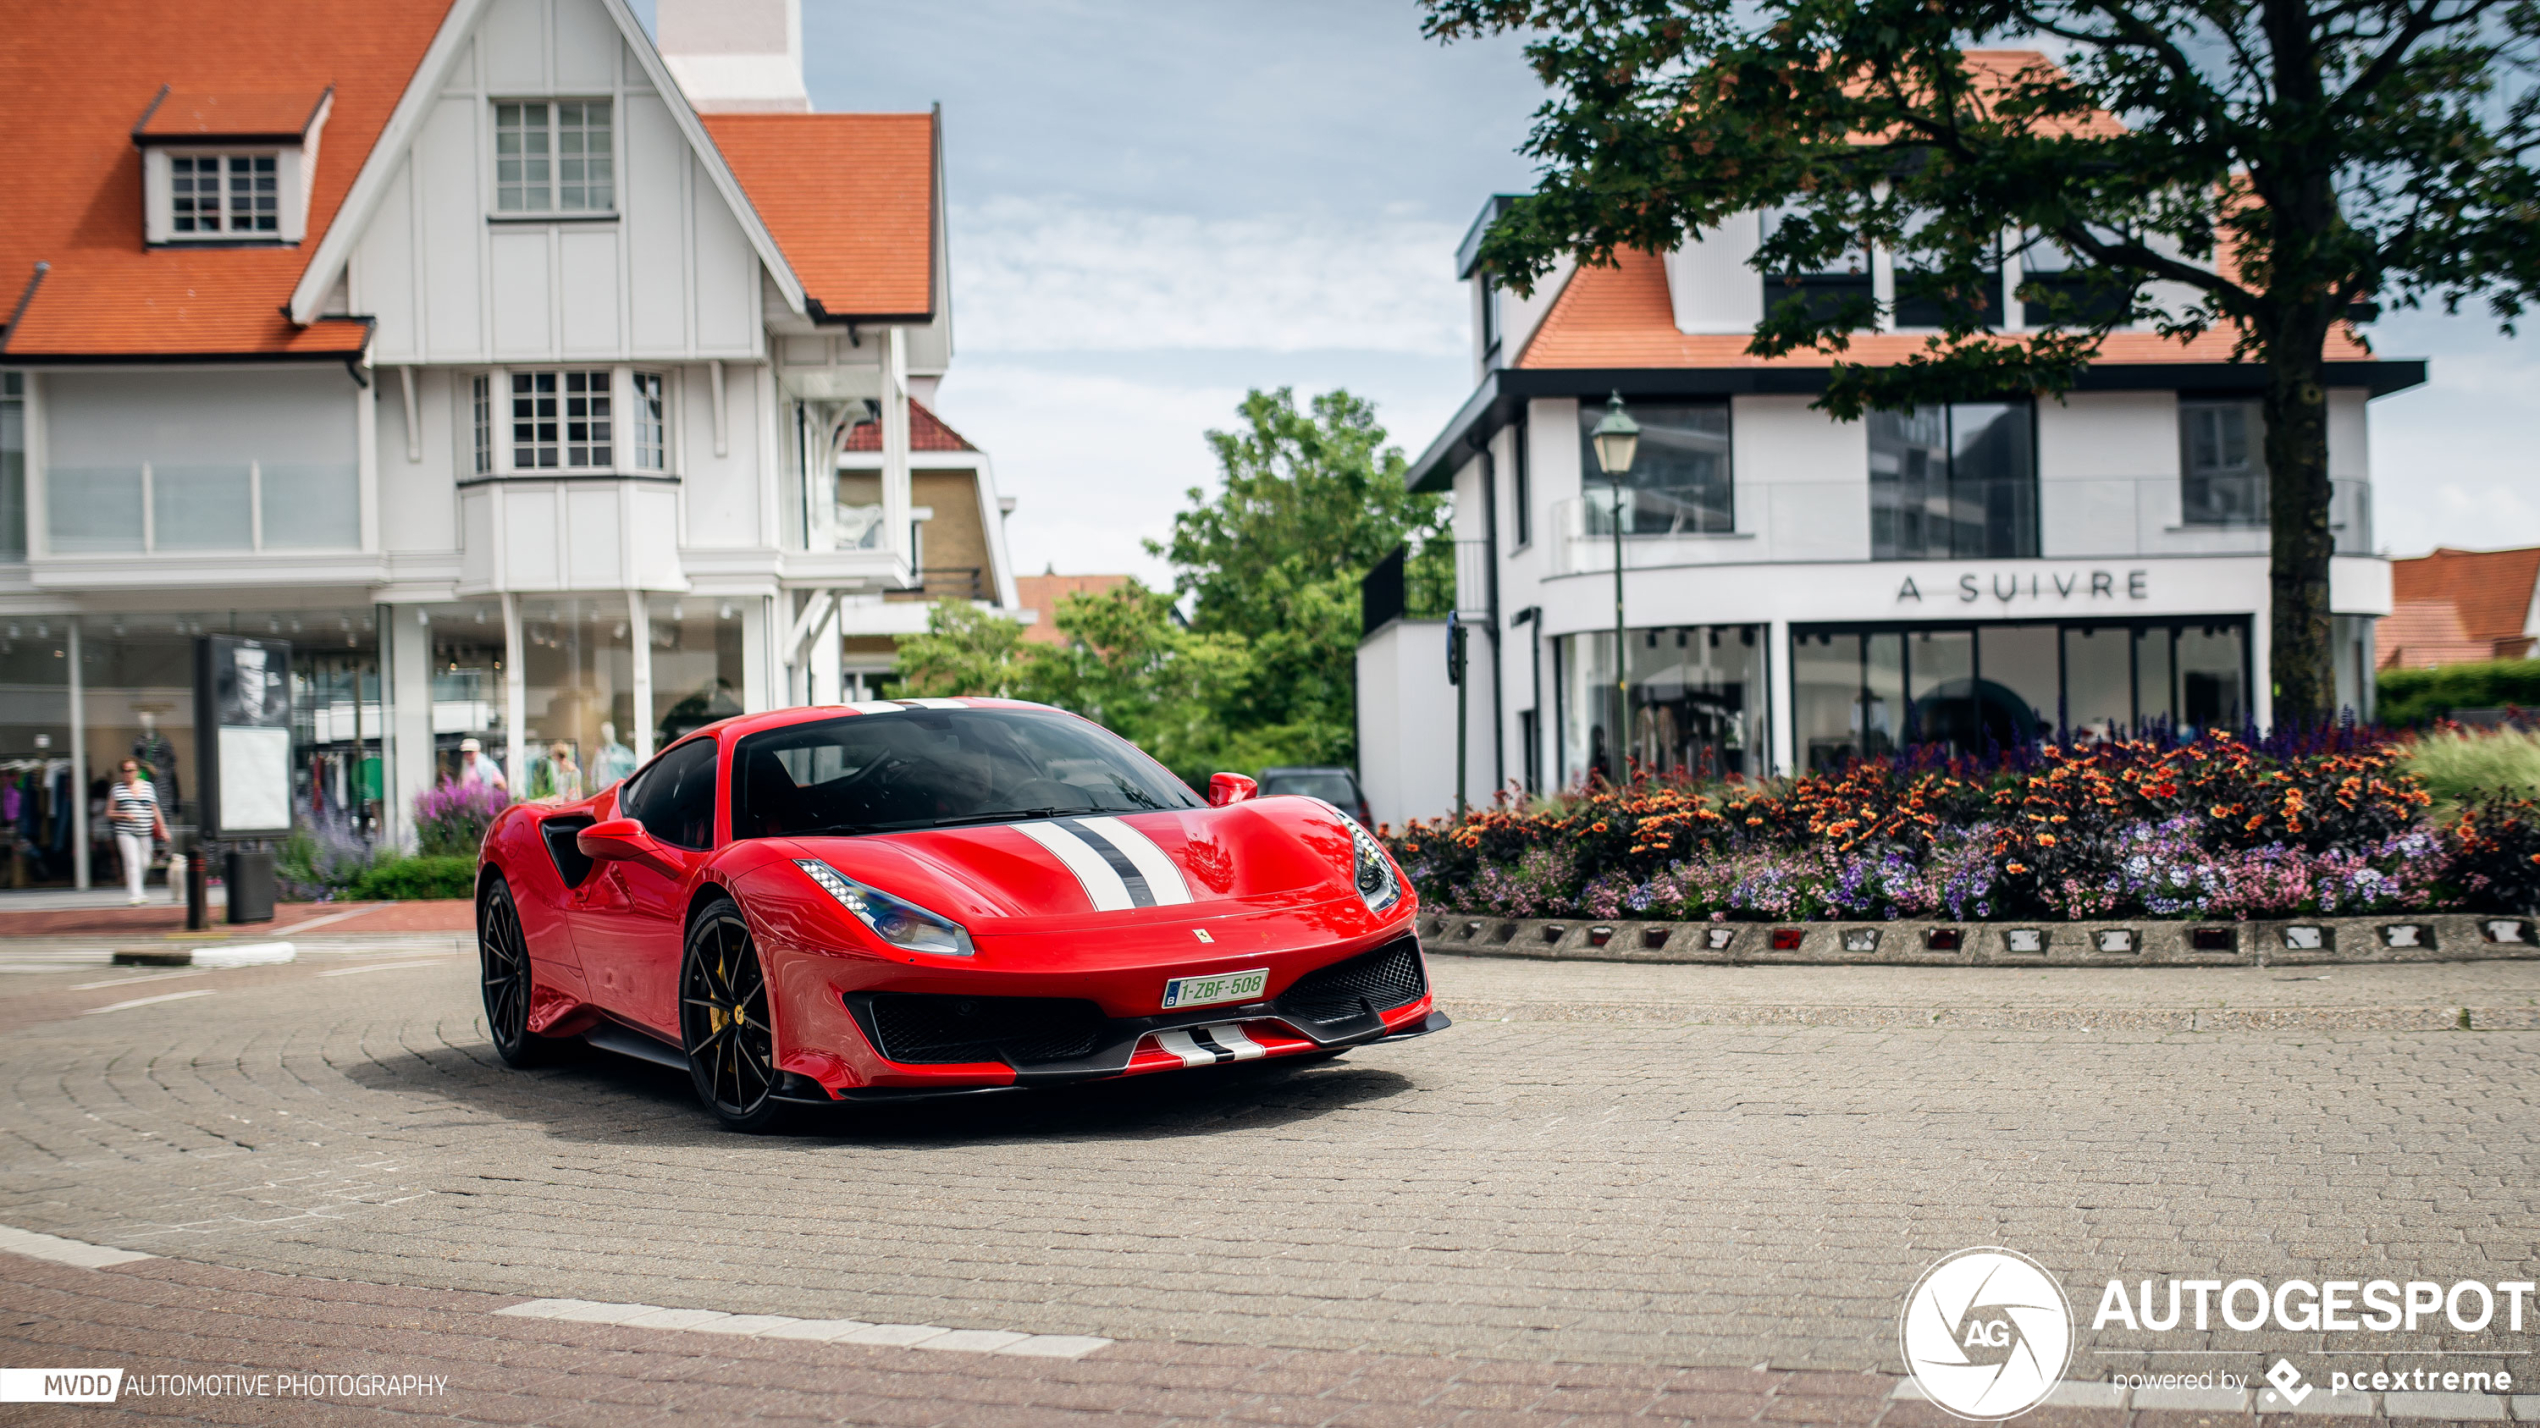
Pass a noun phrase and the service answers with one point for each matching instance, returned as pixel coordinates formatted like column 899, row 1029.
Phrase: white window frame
column 158, row 174
column 551, row 190
column 629, row 453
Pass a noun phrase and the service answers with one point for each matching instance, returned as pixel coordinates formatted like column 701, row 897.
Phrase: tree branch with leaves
column 2250, row 171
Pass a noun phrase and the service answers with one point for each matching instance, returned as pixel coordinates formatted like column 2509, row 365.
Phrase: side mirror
column 623, row 840
column 1226, row 788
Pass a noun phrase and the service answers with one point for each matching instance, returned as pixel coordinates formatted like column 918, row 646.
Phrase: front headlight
column 1378, row 887
column 895, row 920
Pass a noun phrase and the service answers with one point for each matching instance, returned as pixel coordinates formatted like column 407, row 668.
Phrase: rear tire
column 724, row 1024
column 502, row 953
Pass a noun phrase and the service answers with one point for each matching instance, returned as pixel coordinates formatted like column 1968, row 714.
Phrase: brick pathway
column 1550, row 1219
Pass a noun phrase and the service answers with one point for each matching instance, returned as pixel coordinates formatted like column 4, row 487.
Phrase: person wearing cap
column 476, row 766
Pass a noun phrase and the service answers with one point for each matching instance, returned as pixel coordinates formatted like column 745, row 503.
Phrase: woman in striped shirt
column 133, row 809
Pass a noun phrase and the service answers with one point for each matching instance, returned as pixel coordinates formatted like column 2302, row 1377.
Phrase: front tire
column 724, row 1023
column 502, row 953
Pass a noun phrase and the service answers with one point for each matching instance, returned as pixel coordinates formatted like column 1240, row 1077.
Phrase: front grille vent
column 1389, row 977
column 927, row 1029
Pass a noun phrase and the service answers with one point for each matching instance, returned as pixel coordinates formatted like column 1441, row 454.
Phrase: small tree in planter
column 451, row 818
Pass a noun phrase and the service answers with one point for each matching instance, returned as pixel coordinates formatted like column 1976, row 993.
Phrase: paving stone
column 2452, row 1407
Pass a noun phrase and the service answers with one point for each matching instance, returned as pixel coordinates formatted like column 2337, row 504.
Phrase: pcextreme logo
column 1986, row 1333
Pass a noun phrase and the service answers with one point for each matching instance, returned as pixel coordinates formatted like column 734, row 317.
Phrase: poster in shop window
column 242, row 724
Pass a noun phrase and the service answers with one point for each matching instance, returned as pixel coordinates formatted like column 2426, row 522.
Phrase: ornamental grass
column 2214, row 827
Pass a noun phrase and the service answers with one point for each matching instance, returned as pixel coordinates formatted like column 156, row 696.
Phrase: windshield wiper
column 997, row 815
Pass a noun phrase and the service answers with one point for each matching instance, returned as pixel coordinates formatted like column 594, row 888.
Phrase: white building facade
column 1799, row 590
column 531, row 397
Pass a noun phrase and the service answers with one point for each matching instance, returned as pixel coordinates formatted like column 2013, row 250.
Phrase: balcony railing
column 945, row 582
column 2109, row 517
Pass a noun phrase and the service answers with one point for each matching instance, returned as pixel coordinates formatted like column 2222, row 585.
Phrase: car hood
column 1092, row 869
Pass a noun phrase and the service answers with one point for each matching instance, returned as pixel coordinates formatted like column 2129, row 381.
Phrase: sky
column 1158, row 204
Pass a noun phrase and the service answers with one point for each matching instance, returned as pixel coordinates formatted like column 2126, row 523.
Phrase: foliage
column 451, row 817
column 321, row 862
column 965, row 650
column 2412, row 698
column 1263, row 672
column 2253, row 170
column 423, row 876
column 2215, row 827
column 2460, row 766
column 1310, row 501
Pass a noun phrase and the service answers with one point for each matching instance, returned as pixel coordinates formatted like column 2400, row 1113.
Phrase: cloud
column 1054, row 275
column 1096, row 463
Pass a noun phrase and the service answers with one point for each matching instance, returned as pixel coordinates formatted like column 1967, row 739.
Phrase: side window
column 674, row 799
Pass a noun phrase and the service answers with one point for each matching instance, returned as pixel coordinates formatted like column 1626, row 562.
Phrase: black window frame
column 1717, row 504
column 2011, row 535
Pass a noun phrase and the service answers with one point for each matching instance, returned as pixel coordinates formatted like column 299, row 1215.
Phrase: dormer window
column 224, row 193
column 225, row 168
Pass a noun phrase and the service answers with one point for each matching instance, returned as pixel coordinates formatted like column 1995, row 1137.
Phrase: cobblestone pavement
column 1610, row 1214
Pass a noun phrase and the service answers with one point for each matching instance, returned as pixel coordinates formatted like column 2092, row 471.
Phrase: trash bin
column 249, row 874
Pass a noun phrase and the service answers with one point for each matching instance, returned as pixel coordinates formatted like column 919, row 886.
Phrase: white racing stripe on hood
column 875, row 706
column 1164, row 880
column 1103, row 887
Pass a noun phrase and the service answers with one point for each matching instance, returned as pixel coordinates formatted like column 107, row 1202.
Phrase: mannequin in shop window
column 158, row 759
column 613, row 762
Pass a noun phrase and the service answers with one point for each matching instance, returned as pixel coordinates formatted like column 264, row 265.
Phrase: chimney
column 736, row 56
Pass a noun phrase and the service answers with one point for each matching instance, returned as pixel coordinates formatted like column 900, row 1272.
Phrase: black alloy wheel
column 724, row 1023
column 503, row 973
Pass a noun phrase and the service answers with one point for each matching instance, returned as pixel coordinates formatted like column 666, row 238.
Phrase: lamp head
column 1617, row 439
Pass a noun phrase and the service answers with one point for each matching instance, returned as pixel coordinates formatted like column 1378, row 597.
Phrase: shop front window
column 578, row 659
column 1695, row 702
column 697, row 676
column 1980, row 689
column 37, row 782
column 467, row 688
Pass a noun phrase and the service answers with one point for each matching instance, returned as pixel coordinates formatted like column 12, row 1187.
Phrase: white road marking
column 129, row 981
column 1164, row 880
column 385, row 967
column 336, row 916
column 78, row 1253
column 782, row 1326
column 150, row 1001
column 1102, row 886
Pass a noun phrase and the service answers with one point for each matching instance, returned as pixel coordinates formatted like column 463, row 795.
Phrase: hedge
column 2413, row 698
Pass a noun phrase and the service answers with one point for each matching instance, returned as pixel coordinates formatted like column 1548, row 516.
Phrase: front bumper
column 911, row 1041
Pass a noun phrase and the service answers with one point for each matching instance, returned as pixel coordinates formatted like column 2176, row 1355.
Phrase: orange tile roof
column 850, row 200
column 2425, row 634
column 183, row 114
column 1620, row 317
column 926, row 432
column 77, row 75
column 2491, row 589
column 1043, row 592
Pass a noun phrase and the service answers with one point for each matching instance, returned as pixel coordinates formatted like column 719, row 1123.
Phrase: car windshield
column 1332, row 788
column 928, row 768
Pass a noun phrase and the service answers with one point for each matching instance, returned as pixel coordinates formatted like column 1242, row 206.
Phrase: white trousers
column 135, row 848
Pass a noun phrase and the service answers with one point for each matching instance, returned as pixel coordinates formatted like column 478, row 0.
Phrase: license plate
column 1208, row 991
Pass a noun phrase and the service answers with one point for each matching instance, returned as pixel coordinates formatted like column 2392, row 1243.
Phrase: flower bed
column 2213, row 828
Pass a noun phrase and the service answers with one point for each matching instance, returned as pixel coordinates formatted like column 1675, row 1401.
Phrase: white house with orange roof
column 1798, row 589
column 541, row 386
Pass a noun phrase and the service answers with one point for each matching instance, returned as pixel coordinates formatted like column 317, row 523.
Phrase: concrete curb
column 2431, row 937
column 2158, row 1020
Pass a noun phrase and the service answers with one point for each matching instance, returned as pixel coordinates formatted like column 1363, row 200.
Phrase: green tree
column 2256, row 168
column 1129, row 665
column 965, row 650
column 1311, row 500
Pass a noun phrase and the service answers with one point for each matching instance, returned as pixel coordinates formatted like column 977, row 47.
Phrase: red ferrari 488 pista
column 885, row 900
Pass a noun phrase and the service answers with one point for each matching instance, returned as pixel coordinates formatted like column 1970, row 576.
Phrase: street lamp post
column 1617, row 439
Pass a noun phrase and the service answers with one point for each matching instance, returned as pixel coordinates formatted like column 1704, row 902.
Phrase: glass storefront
column 1863, row 692
column 467, row 683
column 36, row 779
column 696, row 665
column 1696, row 701
column 578, row 655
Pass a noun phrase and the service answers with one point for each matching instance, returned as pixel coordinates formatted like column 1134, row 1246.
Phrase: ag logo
column 1986, row 1333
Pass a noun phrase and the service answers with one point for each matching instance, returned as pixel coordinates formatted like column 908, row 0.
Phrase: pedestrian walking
column 132, row 806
